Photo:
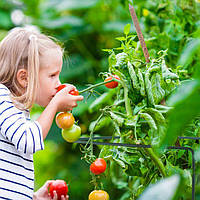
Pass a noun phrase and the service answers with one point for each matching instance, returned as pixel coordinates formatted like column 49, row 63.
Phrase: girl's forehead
column 51, row 58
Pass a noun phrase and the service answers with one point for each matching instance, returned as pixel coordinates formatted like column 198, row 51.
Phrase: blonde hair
column 22, row 49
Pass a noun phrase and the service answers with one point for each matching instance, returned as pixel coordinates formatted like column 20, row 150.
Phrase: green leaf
column 188, row 53
column 121, row 38
column 166, row 73
column 104, row 121
column 117, row 118
column 157, row 90
column 127, row 29
column 186, row 107
column 164, row 189
column 102, row 100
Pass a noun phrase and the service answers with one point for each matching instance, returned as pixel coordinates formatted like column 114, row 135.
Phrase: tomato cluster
column 65, row 121
column 98, row 167
column 71, row 133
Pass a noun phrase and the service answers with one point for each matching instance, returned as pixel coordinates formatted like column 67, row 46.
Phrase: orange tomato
column 64, row 120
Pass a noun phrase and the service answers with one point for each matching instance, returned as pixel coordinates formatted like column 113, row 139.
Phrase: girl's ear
column 22, row 78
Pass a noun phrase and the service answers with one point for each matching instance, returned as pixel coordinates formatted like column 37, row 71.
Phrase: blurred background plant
column 85, row 28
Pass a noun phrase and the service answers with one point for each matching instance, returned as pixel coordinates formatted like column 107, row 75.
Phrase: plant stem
column 155, row 159
column 97, row 85
column 92, row 131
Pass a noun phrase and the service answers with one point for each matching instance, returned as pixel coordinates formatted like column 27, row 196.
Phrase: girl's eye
column 52, row 75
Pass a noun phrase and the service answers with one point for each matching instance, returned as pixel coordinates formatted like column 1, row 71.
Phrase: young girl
column 30, row 64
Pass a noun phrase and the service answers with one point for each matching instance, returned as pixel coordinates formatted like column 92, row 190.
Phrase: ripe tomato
column 64, row 120
column 74, row 92
column 71, row 134
column 98, row 195
column 112, row 84
column 98, row 166
column 60, row 187
column 60, row 87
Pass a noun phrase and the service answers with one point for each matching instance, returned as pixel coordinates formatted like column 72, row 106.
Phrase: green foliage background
column 85, row 28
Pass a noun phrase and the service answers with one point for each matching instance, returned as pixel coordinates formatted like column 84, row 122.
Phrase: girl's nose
column 58, row 83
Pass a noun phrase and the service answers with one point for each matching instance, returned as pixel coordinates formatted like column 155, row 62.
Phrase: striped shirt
column 19, row 139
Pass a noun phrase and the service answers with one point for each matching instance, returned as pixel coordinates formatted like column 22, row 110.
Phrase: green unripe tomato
column 71, row 134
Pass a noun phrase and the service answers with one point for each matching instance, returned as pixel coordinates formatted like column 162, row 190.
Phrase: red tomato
column 74, row 92
column 112, row 84
column 60, row 87
column 60, row 187
column 98, row 166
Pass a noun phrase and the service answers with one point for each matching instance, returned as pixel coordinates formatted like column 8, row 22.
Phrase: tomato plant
column 64, row 120
column 98, row 195
column 98, row 166
column 60, row 187
column 71, row 134
column 138, row 115
column 112, row 84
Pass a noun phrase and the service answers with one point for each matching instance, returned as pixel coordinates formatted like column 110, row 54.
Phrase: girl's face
column 50, row 68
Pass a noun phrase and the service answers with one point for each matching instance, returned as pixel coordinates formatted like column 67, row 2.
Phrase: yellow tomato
column 98, row 195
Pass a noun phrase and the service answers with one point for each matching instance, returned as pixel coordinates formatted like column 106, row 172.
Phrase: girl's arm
column 46, row 118
column 27, row 135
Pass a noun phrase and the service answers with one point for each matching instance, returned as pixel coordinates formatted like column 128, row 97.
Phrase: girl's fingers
column 77, row 98
column 69, row 88
column 55, row 197
column 47, row 183
column 64, row 198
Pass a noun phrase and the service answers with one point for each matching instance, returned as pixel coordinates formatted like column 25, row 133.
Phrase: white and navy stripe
column 19, row 139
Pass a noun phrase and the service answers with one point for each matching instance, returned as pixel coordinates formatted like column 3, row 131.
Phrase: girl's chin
column 43, row 104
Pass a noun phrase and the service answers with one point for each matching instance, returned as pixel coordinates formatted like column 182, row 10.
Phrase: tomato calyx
column 98, row 166
column 112, row 84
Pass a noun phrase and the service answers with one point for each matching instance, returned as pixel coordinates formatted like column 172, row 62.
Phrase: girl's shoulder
column 4, row 89
column 4, row 93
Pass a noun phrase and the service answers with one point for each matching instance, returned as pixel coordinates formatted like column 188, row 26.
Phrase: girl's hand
column 65, row 101
column 43, row 193
column 55, row 197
